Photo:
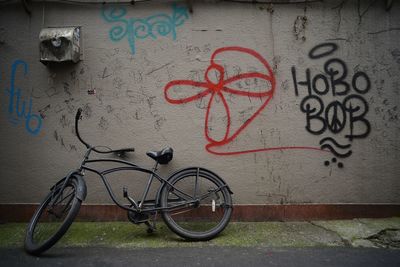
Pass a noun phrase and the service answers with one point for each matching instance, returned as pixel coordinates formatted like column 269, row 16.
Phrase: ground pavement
column 358, row 242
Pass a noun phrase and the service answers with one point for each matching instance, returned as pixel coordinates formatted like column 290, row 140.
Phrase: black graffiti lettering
column 327, row 49
column 335, row 117
column 339, row 150
column 337, row 71
column 355, row 82
column 357, row 108
column 335, row 101
column 320, row 77
column 307, row 82
column 313, row 107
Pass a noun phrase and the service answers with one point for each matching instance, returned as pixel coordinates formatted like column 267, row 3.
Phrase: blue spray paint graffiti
column 18, row 110
column 161, row 24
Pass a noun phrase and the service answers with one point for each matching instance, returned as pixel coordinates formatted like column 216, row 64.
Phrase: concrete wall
column 276, row 145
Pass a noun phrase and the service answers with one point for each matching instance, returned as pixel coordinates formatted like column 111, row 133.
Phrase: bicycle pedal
column 137, row 217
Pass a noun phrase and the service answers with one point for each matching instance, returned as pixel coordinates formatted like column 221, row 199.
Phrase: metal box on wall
column 60, row 44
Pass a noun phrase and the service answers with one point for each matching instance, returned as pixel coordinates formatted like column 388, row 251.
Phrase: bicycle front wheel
column 52, row 218
column 197, row 204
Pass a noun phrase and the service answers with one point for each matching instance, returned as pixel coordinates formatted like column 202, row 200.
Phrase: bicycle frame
column 129, row 166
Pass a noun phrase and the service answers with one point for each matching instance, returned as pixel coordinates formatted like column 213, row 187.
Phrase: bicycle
column 195, row 203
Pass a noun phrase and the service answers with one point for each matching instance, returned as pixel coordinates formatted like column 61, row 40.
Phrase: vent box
column 60, row 44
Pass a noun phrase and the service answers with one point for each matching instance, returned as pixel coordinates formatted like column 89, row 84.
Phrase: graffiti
column 134, row 29
column 19, row 109
column 346, row 113
column 315, row 53
column 218, row 86
column 333, row 160
column 325, row 145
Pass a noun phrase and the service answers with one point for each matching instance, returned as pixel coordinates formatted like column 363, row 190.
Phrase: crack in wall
column 340, row 7
column 362, row 14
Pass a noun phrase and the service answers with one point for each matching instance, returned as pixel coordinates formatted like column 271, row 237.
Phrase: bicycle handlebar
column 78, row 116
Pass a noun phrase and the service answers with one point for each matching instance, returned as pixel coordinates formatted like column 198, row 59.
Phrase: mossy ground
column 125, row 234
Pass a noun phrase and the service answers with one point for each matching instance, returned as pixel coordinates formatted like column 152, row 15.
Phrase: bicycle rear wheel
column 199, row 204
column 52, row 218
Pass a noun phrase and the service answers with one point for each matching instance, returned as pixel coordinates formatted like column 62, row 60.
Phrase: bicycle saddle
column 162, row 157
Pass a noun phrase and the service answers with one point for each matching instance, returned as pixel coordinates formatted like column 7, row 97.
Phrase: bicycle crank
column 138, row 217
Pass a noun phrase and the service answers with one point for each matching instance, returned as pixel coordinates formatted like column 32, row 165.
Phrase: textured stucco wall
column 355, row 77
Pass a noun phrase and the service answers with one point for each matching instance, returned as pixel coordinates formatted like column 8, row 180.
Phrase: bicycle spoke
column 65, row 210
column 180, row 212
column 175, row 201
column 214, row 191
column 195, row 183
column 177, row 191
column 68, row 204
column 72, row 192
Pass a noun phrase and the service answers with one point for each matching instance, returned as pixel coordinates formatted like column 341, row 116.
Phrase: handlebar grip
column 78, row 114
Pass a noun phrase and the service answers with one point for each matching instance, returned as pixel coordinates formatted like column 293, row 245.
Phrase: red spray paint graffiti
column 220, row 86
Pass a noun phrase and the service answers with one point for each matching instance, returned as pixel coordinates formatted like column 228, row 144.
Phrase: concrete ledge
column 287, row 212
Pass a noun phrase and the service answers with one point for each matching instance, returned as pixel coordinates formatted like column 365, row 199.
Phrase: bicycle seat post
column 155, row 166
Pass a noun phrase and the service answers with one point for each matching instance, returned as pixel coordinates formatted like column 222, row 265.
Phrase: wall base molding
column 274, row 212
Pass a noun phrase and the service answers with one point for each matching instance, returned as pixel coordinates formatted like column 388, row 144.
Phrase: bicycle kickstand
column 151, row 227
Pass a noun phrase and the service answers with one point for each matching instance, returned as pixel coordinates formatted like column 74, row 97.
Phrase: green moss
column 125, row 234
column 12, row 234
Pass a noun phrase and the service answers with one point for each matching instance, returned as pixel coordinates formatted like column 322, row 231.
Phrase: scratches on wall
column 60, row 140
column 105, row 73
column 65, row 121
column 385, row 30
column 159, row 68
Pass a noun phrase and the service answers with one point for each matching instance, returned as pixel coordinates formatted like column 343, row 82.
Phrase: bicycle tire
column 45, row 214
column 205, row 219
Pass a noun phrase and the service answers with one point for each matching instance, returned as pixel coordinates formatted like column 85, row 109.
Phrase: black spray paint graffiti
column 346, row 113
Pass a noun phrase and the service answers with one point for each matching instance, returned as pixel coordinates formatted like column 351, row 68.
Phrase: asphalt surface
column 207, row 256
